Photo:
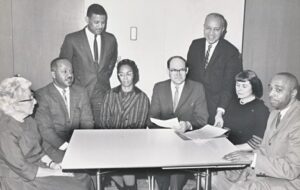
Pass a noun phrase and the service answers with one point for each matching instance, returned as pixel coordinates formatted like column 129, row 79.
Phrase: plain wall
column 165, row 28
column 271, row 39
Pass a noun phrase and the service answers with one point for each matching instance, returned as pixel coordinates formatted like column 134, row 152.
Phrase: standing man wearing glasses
column 93, row 53
column 181, row 98
column 214, row 62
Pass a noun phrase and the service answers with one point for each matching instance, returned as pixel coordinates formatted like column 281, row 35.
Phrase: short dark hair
column 133, row 66
column 249, row 75
column 175, row 57
column 95, row 9
column 294, row 84
column 53, row 64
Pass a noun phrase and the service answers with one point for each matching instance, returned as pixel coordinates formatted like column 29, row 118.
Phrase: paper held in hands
column 169, row 123
column 206, row 132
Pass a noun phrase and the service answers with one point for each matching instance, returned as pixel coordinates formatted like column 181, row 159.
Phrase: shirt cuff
column 64, row 146
column 221, row 109
column 189, row 126
column 254, row 161
column 46, row 159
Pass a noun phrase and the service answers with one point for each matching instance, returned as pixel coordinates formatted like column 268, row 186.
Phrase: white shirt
column 60, row 90
column 91, row 37
column 173, row 89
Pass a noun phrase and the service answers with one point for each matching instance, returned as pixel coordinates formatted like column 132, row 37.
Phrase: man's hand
column 183, row 126
column 219, row 122
column 240, row 155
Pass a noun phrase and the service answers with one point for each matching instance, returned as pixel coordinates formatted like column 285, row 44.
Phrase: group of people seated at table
column 197, row 93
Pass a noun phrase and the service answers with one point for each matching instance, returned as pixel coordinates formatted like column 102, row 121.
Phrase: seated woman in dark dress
column 125, row 107
column 247, row 115
column 25, row 163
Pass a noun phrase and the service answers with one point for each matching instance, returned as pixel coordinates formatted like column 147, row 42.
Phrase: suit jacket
column 218, row 77
column 191, row 106
column 52, row 116
column 279, row 155
column 94, row 77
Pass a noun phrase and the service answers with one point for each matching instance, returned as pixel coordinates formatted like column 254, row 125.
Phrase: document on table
column 206, row 132
column 169, row 123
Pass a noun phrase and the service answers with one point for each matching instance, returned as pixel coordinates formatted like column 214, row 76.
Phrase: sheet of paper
column 206, row 132
column 221, row 146
column 170, row 123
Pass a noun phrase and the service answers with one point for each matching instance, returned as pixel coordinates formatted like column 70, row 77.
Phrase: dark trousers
column 175, row 181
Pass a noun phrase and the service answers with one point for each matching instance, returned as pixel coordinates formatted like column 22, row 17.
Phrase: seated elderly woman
column 125, row 107
column 25, row 163
column 247, row 115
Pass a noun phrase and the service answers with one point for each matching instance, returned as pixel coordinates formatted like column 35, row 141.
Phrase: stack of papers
column 206, row 132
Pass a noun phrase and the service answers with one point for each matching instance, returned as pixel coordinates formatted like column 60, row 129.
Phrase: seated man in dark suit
column 181, row 98
column 62, row 107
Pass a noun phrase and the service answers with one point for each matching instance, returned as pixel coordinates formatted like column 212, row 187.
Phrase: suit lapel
column 58, row 97
column 168, row 99
column 284, row 120
column 73, row 102
column 186, row 91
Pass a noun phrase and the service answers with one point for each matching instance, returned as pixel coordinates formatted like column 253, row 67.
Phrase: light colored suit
column 52, row 116
column 191, row 106
column 278, row 159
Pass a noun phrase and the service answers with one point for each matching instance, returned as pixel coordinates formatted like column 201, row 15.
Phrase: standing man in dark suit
column 214, row 62
column 62, row 107
column 181, row 98
column 93, row 53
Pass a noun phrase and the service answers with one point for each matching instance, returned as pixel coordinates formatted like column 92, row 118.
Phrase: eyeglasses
column 178, row 70
column 122, row 75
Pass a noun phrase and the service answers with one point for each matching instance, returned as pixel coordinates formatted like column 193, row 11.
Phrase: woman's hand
column 45, row 172
column 55, row 166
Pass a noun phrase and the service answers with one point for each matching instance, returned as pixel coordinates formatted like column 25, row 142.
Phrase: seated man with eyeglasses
column 181, row 98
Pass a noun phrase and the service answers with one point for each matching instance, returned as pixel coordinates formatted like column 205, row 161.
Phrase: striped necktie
column 207, row 56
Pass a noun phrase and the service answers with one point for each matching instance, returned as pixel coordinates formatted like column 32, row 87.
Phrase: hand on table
column 239, row 155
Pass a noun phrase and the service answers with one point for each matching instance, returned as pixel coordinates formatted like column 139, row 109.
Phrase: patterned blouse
column 122, row 110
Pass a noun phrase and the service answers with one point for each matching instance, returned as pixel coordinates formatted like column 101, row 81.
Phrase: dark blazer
column 52, row 116
column 218, row 78
column 191, row 106
column 94, row 77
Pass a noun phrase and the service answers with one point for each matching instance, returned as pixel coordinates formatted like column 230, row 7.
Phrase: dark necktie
column 278, row 119
column 207, row 56
column 176, row 98
column 96, row 50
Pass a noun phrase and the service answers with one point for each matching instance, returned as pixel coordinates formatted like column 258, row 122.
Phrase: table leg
column 151, row 182
column 198, row 183
column 98, row 180
column 208, row 180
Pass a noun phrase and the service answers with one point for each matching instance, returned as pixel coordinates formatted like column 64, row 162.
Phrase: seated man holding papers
column 182, row 99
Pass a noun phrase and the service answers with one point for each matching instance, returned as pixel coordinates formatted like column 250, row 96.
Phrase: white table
column 143, row 148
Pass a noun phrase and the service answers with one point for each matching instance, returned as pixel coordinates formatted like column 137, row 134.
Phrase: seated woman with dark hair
column 247, row 115
column 125, row 107
column 25, row 163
